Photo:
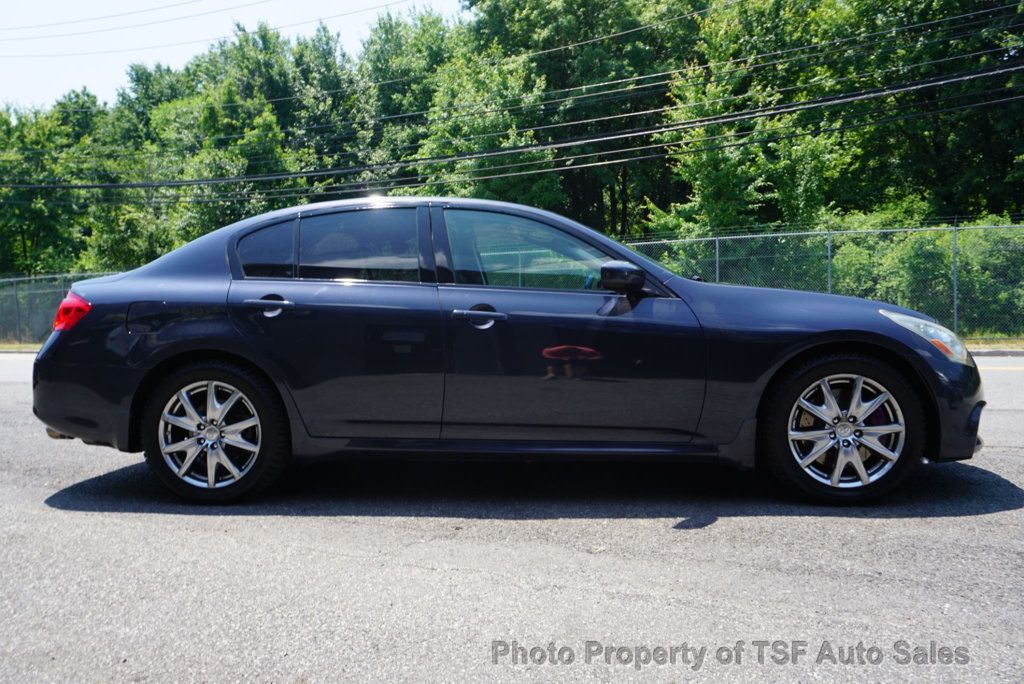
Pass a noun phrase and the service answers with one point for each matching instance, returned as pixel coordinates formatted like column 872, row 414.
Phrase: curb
column 997, row 352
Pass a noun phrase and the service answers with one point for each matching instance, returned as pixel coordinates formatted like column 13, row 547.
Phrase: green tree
column 473, row 114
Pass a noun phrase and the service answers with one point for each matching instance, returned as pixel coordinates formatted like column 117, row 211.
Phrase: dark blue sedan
column 464, row 327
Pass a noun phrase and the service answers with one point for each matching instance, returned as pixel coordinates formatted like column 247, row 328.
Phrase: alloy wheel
column 846, row 431
column 209, row 434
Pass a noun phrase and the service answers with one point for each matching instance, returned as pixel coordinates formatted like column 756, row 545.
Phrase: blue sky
column 36, row 67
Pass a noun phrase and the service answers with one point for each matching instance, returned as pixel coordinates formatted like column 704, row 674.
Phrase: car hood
column 740, row 305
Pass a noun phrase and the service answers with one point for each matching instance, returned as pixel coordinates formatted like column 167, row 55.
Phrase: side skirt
column 441, row 449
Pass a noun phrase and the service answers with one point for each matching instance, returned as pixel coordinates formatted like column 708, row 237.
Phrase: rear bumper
column 90, row 402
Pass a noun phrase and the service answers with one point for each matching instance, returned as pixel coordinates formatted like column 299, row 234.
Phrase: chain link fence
column 28, row 305
column 970, row 278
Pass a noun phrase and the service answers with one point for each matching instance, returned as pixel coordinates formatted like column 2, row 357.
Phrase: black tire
column 780, row 401
column 274, row 451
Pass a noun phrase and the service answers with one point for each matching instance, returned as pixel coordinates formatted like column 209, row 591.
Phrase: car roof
column 392, row 201
column 219, row 236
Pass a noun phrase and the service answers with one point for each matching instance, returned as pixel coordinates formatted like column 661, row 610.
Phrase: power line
column 573, row 99
column 564, row 161
column 774, row 110
column 364, row 184
column 609, row 162
column 100, row 18
column 698, row 67
column 668, row 127
column 689, row 105
column 371, row 186
column 673, row 143
column 395, row 2
column 477, row 178
column 202, row 40
column 131, row 26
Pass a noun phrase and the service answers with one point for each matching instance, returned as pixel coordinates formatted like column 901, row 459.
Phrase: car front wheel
column 843, row 429
column 215, row 432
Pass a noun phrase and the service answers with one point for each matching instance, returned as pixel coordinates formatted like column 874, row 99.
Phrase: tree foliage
column 475, row 106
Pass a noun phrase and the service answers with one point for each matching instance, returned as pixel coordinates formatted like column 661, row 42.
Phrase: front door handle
column 477, row 315
column 482, row 319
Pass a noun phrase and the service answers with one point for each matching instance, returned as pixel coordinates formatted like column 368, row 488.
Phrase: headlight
column 944, row 339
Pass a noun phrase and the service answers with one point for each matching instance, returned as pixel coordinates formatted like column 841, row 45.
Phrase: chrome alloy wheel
column 846, row 431
column 209, row 434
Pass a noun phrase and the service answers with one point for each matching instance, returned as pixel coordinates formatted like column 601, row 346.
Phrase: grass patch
column 19, row 347
column 1004, row 343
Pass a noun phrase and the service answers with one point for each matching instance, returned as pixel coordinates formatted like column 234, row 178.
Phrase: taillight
column 71, row 310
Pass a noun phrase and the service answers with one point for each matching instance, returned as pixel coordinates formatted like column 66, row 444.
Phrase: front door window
column 502, row 250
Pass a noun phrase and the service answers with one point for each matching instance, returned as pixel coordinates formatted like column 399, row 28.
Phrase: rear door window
column 369, row 244
column 269, row 252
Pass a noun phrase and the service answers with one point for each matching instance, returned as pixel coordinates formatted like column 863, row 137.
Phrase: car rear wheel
column 215, row 432
column 843, row 429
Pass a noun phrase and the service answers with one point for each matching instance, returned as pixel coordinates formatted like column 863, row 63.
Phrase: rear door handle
column 271, row 307
column 478, row 316
column 269, row 304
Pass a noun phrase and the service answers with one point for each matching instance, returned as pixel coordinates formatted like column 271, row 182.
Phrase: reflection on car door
column 536, row 350
column 359, row 340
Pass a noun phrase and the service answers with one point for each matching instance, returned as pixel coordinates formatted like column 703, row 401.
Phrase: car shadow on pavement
column 696, row 496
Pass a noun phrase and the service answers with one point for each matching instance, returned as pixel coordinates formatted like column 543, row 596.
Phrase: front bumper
column 960, row 402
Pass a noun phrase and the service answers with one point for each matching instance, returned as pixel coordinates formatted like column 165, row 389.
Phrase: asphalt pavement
column 427, row 571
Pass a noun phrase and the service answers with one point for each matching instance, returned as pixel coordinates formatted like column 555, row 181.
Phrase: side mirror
column 622, row 276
